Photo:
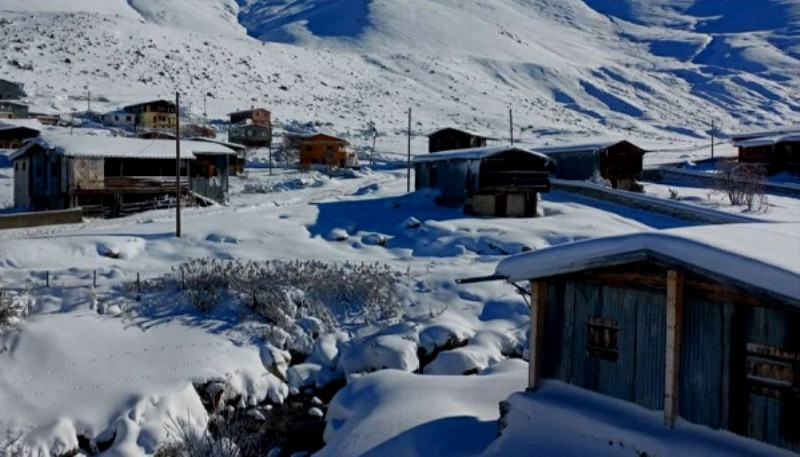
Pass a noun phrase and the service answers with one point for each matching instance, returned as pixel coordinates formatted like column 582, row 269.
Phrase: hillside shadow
column 323, row 18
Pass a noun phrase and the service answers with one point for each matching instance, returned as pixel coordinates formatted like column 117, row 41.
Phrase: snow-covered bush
column 11, row 309
column 285, row 292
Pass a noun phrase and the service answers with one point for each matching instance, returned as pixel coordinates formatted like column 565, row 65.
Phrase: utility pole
column 205, row 112
column 712, row 138
column 178, row 164
column 88, row 102
column 511, row 125
column 408, row 162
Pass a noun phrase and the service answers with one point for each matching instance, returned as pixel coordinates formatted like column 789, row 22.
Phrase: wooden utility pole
column 88, row 102
column 178, row 164
column 712, row 138
column 408, row 161
column 205, row 112
column 511, row 125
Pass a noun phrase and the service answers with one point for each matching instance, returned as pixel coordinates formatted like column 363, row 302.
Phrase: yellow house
column 154, row 115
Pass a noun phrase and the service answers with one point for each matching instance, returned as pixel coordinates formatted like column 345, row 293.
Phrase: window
column 23, row 166
column 601, row 342
column 116, row 118
column 16, row 167
column 772, row 372
column 309, row 148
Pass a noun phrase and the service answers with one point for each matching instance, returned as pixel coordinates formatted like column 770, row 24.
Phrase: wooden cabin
column 12, row 136
column 450, row 138
column 154, row 115
column 113, row 175
column 258, row 116
column 10, row 90
column 238, row 161
column 700, row 323
column 321, row 149
column 13, row 110
column 620, row 162
column 496, row 181
column 777, row 153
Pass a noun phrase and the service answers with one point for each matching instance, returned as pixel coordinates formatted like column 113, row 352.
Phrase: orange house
column 319, row 148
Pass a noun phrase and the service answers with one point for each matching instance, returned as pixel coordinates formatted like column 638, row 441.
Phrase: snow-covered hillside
column 655, row 70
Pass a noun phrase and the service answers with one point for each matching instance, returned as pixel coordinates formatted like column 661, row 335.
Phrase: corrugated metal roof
column 121, row 147
column 473, row 154
column 468, row 132
column 763, row 255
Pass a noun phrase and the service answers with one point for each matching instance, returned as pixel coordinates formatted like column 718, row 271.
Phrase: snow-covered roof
column 768, row 140
column 468, row 132
column 473, row 154
column 13, row 102
column 227, row 144
column 122, row 147
column 764, row 133
column 762, row 255
column 12, row 126
column 577, row 147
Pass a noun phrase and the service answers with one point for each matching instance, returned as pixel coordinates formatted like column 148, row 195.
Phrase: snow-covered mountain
column 660, row 69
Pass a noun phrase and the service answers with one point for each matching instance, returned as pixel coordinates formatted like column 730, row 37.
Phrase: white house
column 120, row 118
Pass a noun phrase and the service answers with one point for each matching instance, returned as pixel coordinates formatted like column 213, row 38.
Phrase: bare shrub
column 743, row 184
column 673, row 194
column 11, row 310
column 222, row 438
column 283, row 292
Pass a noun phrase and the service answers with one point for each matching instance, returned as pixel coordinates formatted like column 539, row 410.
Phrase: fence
column 39, row 218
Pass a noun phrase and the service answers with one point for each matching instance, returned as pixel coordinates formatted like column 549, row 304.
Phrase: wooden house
column 450, row 138
column 238, row 161
column 13, row 136
column 699, row 322
column 495, row 181
column 258, row 116
column 114, row 175
column 620, row 162
column 321, row 149
column 10, row 90
column 154, row 115
column 250, row 134
column 13, row 110
column 777, row 153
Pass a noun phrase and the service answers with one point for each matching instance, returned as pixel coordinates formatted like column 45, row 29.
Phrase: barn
column 450, row 138
column 777, row 153
column 492, row 181
column 620, row 162
column 700, row 322
column 114, row 175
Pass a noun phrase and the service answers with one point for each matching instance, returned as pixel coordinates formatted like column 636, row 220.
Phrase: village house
column 700, row 323
column 777, row 153
column 454, row 138
column 154, row 115
column 251, row 128
column 619, row 162
column 493, row 181
column 114, row 175
column 12, row 136
column 258, row 116
column 10, row 90
column 321, row 149
column 13, row 110
column 119, row 118
column 238, row 161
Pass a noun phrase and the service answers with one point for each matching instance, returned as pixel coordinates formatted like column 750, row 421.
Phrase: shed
column 620, row 162
column 113, row 175
column 699, row 322
column 777, row 153
column 12, row 136
column 450, row 138
column 496, row 181
column 321, row 149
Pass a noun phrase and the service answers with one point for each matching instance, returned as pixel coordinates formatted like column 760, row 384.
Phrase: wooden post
column 138, row 283
column 94, row 278
column 538, row 303
column 178, row 164
column 47, row 278
column 673, row 354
